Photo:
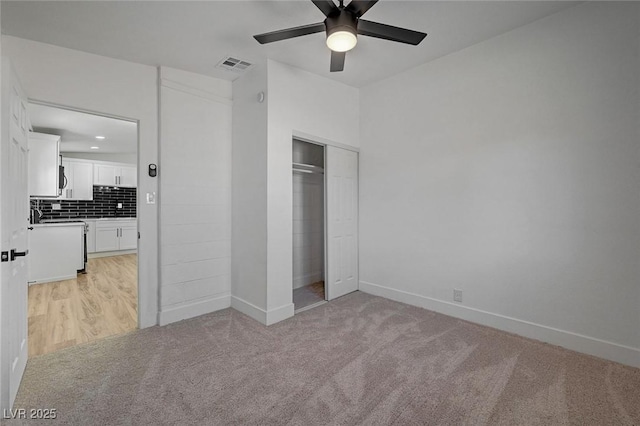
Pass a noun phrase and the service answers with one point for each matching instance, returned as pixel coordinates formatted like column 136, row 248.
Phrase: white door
column 341, row 169
column 14, row 214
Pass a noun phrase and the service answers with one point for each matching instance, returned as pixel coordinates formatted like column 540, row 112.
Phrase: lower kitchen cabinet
column 128, row 237
column 91, row 235
column 56, row 251
column 115, row 235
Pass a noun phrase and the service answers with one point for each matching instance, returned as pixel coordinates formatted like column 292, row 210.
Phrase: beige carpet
column 357, row 360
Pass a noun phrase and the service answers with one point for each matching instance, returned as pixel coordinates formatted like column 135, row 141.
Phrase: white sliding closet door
column 341, row 169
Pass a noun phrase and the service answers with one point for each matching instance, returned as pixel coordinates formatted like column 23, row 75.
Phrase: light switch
column 55, row 206
column 119, row 206
column 151, row 197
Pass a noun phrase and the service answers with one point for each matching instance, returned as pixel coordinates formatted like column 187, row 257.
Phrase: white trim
column 313, row 305
column 264, row 317
column 54, row 279
column 193, row 309
column 97, row 254
column 567, row 339
column 83, row 110
column 317, row 140
column 249, row 309
column 146, row 317
column 194, row 91
column 280, row 314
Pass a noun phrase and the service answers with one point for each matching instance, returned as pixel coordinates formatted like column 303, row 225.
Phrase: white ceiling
column 78, row 130
column 195, row 36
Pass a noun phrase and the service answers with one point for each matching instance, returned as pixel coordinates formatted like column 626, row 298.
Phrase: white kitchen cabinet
column 44, row 162
column 105, row 174
column 56, row 251
column 128, row 176
column 107, row 237
column 115, row 235
column 128, row 237
column 79, row 180
column 91, row 235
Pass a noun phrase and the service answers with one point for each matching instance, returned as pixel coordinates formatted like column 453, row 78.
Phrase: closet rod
column 307, row 166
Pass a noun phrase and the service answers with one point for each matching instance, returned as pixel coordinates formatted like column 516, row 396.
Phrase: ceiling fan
column 342, row 26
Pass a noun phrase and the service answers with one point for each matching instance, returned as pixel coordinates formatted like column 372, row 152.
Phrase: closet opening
column 308, row 225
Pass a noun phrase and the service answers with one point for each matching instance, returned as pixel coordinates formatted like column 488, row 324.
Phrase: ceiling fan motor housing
column 344, row 21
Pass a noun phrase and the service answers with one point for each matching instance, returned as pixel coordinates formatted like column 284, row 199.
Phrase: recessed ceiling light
column 95, row 147
column 100, row 137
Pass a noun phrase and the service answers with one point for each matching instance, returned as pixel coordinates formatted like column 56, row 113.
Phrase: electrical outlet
column 55, row 206
column 457, row 295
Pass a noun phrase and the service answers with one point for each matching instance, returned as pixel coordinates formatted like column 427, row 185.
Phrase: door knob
column 15, row 254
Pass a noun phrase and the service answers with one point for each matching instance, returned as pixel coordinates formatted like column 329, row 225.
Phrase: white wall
column 509, row 170
column 195, row 197
column 299, row 103
column 108, row 86
column 114, row 157
column 296, row 102
column 249, row 223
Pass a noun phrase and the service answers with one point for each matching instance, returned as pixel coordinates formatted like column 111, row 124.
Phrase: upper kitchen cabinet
column 78, row 179
column 106, row 174
column 44, row 162
column 128, row 176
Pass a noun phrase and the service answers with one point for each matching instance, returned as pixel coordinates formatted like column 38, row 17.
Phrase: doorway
column 308, row 225
column 92, row 207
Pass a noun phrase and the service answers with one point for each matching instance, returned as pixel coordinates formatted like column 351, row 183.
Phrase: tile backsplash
column 104, row 204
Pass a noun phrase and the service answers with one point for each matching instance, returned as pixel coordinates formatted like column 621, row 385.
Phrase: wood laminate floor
column 100, row 303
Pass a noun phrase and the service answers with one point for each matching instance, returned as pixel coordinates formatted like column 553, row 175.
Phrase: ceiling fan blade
column 290, row 33
column 389, row 32
column 326, row 6
column 337, row 61
column 360, row 7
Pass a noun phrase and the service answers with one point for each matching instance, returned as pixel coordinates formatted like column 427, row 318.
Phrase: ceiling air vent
column 233, row 64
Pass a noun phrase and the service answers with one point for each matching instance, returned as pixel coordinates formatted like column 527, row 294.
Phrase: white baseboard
column 249, row 309
column 193, row 309
column 264, row 317
column 96, row 254
column 589, row 345
column 280, row 314
column 54, row 279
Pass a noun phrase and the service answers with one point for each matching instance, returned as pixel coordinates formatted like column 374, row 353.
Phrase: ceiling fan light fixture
column 342, row 40
column 342, row 26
